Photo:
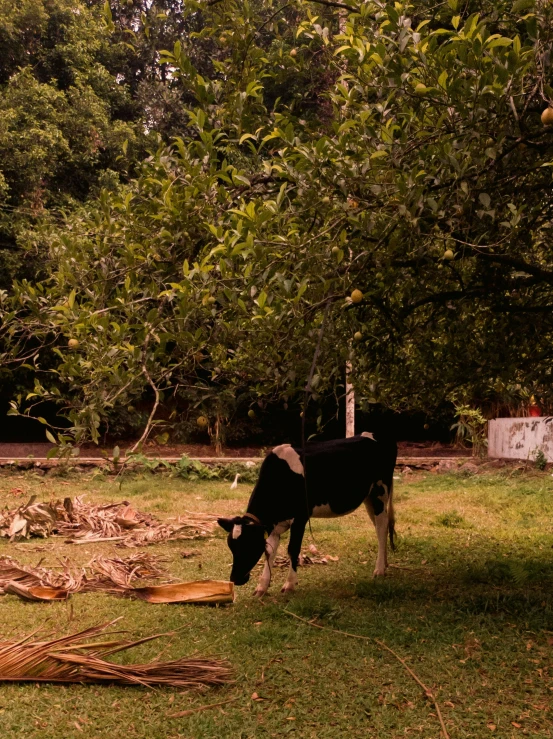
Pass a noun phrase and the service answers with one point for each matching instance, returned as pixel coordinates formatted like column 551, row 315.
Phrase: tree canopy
column 396, row 150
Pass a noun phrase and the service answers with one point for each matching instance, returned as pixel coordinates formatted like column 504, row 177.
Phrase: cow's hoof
column 259, row 592
column 288, row 587
column 379, row 573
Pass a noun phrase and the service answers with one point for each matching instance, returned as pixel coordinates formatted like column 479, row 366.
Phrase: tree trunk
column 350, row 404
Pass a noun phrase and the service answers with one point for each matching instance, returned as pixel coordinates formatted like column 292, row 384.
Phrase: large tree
column 332, row 147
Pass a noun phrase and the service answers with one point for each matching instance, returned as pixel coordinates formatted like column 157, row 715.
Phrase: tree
column 412, row 165
column 61, row 130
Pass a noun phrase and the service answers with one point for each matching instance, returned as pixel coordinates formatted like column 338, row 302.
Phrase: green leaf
column 522, row 5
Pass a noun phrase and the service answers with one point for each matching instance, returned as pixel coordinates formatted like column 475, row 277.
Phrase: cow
column 339, row 475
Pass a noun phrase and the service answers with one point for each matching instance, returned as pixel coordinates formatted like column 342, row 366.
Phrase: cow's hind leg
column 294, row 548
column 376, row 504
column 271, row 548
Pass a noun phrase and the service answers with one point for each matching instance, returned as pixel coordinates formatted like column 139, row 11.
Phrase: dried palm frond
column 203, row 591
column 74, row 659
column 108, row 574
column 39, row 593
column 12, row 571
column 83, row 523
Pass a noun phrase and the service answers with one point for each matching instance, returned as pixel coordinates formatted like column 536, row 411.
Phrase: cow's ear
column 226, row 523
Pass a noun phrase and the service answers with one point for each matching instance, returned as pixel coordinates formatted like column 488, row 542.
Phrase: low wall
column 520, row 438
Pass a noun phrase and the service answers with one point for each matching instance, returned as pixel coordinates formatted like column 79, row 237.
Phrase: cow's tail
column 391, row 517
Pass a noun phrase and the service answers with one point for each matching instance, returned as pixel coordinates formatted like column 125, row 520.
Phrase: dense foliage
column 328, row 147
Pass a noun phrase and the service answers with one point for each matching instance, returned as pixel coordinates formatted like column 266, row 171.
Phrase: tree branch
column 148, row 428
column 545, row 275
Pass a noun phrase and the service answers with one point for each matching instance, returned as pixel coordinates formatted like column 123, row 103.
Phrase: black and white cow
column 341, row 475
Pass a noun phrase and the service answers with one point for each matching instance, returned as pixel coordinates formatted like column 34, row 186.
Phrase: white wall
column 520, row 438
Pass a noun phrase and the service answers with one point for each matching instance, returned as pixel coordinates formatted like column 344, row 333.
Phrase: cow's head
column 246, row 540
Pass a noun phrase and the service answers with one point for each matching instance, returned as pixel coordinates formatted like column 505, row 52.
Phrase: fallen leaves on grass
column 83, row 523
column 187, row 554
column 305, row 560
column 75, row 659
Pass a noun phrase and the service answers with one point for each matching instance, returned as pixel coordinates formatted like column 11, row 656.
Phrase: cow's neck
column 261, row 509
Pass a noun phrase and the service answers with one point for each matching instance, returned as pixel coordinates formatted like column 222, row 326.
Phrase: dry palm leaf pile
column 75, row 659
column 107, row 574
column 82, row 523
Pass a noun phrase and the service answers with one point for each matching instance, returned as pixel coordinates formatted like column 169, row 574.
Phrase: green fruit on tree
column 356, row 296
column 357, row 336
column 335, row 250
column 449, row 255
column 293, row 52
column 73, row 343
column 202, row 422
column 421, row 89
column 547, row 117
column 211, row 299
column 326, row 199
column 251, row 413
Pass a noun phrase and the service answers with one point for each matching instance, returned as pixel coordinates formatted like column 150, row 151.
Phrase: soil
column 152, row 449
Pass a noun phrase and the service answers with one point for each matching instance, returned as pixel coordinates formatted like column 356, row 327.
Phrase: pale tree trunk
column 350, row 404
column 350, row 394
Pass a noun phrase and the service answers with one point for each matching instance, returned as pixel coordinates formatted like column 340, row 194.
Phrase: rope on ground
column 428, row 693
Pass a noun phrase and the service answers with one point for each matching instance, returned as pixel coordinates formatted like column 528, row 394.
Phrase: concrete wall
column 520, row 438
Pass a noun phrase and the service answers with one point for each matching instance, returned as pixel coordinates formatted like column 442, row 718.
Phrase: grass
column 468, row 604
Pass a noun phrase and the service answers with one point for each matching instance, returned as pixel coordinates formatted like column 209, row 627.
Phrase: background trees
column 395, row 150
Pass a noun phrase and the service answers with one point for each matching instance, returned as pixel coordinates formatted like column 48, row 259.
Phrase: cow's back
column 338, row 473
column 341, row 472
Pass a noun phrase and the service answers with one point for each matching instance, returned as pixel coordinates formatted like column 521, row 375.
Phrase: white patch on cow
column 271, row 548
column 383, row 485
column 381, row 524
column 290, row 456
column 325, row 511
column 368, row 435
column 236, row 530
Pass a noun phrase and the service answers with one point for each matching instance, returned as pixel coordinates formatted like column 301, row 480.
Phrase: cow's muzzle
column 239, row 579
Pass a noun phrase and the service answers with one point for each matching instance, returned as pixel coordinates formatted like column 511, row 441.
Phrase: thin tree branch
column 148, row 428
column 428, row 693
column 545, row 275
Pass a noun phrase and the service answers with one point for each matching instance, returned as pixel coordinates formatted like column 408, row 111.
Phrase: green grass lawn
column 468, row 603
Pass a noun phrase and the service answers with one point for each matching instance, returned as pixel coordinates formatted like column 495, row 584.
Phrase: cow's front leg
column 294, row 548
column 271, row 548
column 377, row 508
